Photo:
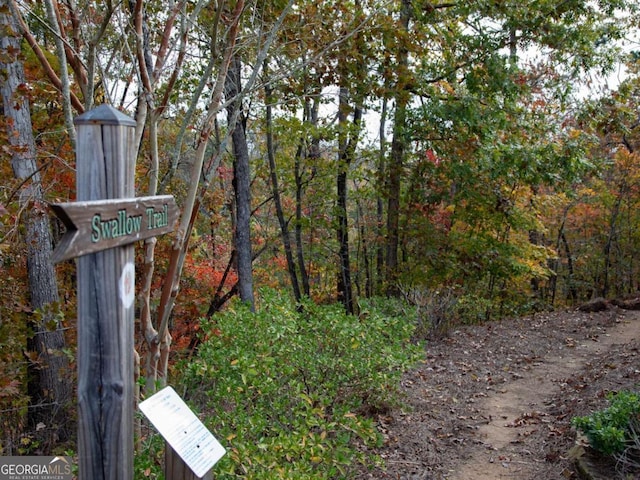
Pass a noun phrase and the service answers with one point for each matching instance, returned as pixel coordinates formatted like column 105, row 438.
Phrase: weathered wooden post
column 102, row 226
column 105, row 169
column 176, row 469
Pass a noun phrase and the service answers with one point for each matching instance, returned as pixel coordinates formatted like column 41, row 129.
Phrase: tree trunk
column 348, row 139
column 310, row 117
column 611, row 239
column 241, row 182
column 573, row 292
column 51, row 380
column 306, row 288
column 64, row 74
column 379, row 201
column 160, row 345
column 345, row 292
column 396, row 161
column 284, row 227
column 364, row 247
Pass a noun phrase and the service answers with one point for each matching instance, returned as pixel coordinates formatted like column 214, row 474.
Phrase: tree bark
column 396, row 161
column 64, row 74
column 611, row 240
column 380, row 253
column 310, row 116
column 51, row 382
column 241, row 182
column 284, row 227
column 348, row 139
column 160, row 345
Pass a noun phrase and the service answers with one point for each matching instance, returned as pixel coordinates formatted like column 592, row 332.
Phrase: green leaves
column 609, row 430
column 288, row 387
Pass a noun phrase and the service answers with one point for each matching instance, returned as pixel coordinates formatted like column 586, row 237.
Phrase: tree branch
column 53, row 77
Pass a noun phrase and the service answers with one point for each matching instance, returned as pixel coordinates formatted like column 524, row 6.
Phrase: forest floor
column 495, row 401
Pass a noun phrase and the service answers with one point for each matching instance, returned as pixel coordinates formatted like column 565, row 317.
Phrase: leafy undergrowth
column 611, row 430
column 292, row 391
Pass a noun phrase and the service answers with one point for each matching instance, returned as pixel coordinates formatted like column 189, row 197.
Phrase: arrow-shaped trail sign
column 100, row 224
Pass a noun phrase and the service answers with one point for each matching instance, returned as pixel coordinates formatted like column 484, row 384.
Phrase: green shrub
column 609, row 430
column 148, row 461
column 290, row 390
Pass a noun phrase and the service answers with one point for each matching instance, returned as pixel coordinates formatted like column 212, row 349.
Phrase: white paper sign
column 180, row 427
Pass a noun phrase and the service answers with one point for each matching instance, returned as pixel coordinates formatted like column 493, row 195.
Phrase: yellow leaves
column 575, row 134
column 446, row 86
column 627, row 164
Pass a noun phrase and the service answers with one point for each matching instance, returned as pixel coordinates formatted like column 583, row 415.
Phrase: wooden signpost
column 102, row 224
column 101, row 229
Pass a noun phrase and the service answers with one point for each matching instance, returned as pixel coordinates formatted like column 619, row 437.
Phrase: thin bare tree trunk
column 395, row 167
column 64, row 72
column 348, row 139
column 379, row 201
column 159, row 346
column 311, row 117
column 275, row 188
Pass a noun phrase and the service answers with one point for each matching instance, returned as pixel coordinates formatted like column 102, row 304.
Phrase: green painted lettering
column 150, row 211
column 157, row 219
column 95, row 228
column 116, row 227
column 108, row 226
column 134, row 224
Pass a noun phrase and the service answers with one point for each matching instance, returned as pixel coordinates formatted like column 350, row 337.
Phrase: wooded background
column 477, row 158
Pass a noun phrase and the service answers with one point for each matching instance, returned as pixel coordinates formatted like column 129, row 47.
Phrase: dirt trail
column 495, row 401
column 525, row 398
